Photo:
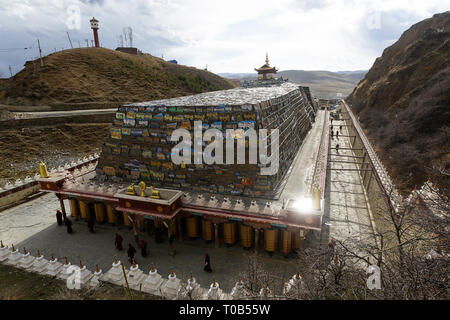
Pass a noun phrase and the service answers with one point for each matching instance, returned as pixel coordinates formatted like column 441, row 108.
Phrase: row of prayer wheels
column 288, row 240
column 103, row 212
column 196, row 227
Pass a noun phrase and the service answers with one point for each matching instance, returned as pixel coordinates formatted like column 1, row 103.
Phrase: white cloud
column 229, row 36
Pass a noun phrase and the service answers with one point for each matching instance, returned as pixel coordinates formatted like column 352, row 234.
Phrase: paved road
column 57, row 114
column 302, row 170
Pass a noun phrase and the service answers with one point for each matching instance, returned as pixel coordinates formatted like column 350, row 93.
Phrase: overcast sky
column 226, row 35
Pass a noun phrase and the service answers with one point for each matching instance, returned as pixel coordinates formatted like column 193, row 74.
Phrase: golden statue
column 43, row 170
column 142, row 186
column 130, row 190
column 155, row 193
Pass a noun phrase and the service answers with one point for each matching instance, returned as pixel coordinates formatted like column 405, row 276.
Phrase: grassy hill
column 103, row 75
column 323, row 84
column 403, row 102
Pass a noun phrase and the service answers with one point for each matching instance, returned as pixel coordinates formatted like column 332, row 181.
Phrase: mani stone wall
column 138, row 146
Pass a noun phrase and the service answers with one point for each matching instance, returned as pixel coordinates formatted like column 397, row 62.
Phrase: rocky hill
column 404, row 102
column 102, row 75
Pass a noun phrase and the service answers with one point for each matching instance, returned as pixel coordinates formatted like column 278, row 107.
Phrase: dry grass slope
column 103, row 75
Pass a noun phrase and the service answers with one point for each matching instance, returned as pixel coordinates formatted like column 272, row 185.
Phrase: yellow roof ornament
column 142, row 186
column 155, row 194
column 43, row 170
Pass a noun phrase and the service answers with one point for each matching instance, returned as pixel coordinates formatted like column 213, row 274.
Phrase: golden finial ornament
column 155, row 194
column 43, row 170
column 142, row 186
column 130, row 190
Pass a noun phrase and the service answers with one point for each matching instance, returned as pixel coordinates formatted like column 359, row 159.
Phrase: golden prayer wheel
column 246, row 236
column 74, row 207
column 173, row 227
column 111, row 214
column 229, row 232
column 126, row 221
column 157, row 223
column 84, row 209
column 270, row 239
column 192, row 227
column 296, row 240
column 286, row 237
column 207, row 230
column 99, row 212
column 140, row 222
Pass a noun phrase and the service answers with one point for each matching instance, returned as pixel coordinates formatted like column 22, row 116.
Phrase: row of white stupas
column 171, row 288
column 86, row 164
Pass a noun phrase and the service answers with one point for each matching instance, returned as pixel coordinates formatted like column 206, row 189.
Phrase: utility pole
column 10, row 71
column 40, row 53
column 69, row 40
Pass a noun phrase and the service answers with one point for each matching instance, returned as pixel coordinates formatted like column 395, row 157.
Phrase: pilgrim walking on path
column 68, row 224
column 131, row 252
column 207, row 266
column 59, row 218
column 118, row 241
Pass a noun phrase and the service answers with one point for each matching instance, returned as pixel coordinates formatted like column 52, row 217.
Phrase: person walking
column 131, row 252
column 118, row 242
column 337, row 148
column 340, row 128
column 90, row 224
column 143, row 245
column 337, row 134
column 59, row 218
column 68, row 224
column 207, row 266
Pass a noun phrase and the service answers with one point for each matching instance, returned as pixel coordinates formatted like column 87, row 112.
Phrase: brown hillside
column 103, row 75
column 403, row 102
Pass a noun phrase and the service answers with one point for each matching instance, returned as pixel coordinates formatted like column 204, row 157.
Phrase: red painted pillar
column 96, row 38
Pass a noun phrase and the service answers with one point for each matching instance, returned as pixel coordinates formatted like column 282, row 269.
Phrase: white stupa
column 115, row 274
column 193, row 290
column 26, row 261
column 14, row 257
column 39, row 264
column 238, row 292
column 239, row 205
column 215, row 293
column 172, row 287
column 294, row 285
column 85, row 275
column 66, row 270
column 135, row 277
column 226, row 203
column 265, row 293
column 96, row 277
column 152, row 284
column 4, row 252
column 54, row 267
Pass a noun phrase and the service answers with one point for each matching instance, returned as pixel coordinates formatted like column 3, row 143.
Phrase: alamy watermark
column 213, row 152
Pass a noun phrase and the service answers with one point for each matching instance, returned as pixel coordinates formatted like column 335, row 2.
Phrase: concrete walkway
column 347, row 216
